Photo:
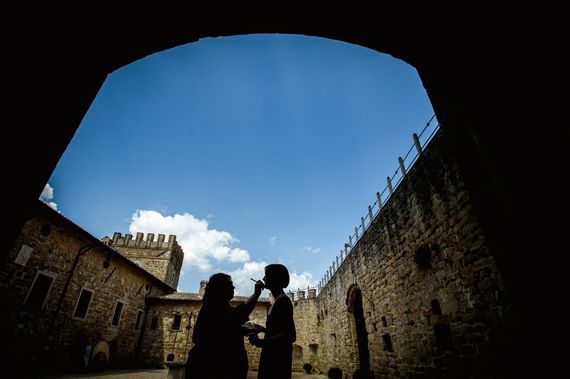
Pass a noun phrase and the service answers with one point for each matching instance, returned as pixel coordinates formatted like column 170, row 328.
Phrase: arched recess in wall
column 100, row 356
column 297, row 356
column 358, row 325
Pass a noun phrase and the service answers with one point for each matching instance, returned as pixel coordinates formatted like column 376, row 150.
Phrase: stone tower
column 161, row 258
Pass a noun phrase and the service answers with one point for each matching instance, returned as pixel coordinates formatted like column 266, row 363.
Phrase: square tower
column 161, row 258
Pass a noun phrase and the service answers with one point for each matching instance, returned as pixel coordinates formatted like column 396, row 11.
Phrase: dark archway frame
column 54, row 71
column 55, row 80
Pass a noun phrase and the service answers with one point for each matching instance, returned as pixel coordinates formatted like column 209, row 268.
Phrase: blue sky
column 251, row 149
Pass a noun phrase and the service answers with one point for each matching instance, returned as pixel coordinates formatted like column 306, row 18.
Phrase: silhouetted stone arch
column 354, row 302
column 454, row 78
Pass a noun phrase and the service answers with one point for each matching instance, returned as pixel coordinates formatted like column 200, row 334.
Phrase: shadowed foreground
column 157, row 374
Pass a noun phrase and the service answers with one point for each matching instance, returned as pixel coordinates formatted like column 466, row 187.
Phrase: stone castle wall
column 161, row 340
column 50, row 338
column 306, row 348
column 161, row 258
column 428, row 282
column 421, row 281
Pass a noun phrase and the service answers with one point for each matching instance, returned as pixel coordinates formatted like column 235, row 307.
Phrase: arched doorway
column 100, row 356
column 354, row 301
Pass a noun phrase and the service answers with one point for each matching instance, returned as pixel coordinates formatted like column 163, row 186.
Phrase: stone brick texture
column 51, row 337
column 305, row 349
column 428, row 283
column 161, row 258
column 424, row 247
column 162, row 340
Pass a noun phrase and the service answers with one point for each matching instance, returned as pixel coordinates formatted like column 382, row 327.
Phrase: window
column 38, row 294
column 443, row 337
column 435, row 307
column 423, row 257
column 154, row 322
column 387, row 342
column 139, row 318
column 45, row 230
column 83, row 303
column 24, row 255
column 297, row 352
column 314, row 348
column 176, row 322
column 117, row 314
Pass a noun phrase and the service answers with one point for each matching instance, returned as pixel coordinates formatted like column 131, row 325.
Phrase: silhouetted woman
column 219, row 350
column 277, row 346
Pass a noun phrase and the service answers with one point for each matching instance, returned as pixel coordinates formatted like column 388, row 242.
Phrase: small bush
column 335, row 373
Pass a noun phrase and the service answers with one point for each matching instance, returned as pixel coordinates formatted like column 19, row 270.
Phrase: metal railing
column 392, row 182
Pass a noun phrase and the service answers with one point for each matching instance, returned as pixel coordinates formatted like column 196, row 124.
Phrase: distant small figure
column 87, row 354
column 218, row 337
column 81, row 352
column 277, row 346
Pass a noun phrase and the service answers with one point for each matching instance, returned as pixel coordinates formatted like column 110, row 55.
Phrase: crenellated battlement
column 162, row 258
column 149, row 243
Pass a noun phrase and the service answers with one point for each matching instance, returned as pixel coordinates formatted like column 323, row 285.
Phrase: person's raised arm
column 252, row 300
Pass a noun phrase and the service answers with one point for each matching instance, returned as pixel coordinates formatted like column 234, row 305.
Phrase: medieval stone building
column 417, row 295
column 168, row 336
column 63, row 289
column 160, row 258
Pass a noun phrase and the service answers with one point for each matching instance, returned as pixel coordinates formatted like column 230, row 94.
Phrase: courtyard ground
column 156, row 374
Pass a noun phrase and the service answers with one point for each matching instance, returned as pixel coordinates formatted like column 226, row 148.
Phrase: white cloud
column 47, row 195
column 244, row 286
column 313, row 250
column 242, row 278
column 200, row 244
column 301, row 281
column 272, row 240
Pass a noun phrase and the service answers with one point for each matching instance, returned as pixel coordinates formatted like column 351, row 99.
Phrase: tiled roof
column 242, row 299
column 189, row 296
column 179, row 296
